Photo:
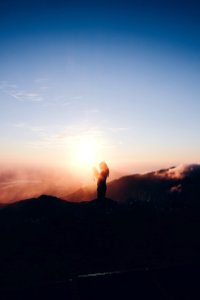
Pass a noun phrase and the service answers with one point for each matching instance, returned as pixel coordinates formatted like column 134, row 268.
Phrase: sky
column 86, row 81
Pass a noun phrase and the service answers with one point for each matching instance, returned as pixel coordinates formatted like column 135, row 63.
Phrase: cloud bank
column 179, row 172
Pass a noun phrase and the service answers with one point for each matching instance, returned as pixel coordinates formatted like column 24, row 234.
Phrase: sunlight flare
column 84, row 153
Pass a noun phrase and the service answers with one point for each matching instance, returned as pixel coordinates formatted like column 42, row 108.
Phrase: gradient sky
column 120, row 76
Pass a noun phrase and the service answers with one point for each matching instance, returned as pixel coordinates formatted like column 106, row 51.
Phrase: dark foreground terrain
column 53, row 249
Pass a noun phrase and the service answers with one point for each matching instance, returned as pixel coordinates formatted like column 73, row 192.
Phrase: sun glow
column 84, row 153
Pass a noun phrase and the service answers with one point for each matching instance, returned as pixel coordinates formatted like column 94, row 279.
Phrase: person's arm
column 96, row 173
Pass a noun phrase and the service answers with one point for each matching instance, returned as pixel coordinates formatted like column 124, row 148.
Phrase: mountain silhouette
column 152, row 224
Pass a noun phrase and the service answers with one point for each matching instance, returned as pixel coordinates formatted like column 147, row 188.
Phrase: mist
column 18, row 183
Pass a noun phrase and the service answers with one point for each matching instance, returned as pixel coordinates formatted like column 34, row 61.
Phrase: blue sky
column 122, row 76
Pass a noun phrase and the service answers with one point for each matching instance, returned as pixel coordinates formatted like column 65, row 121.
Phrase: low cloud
column 179, row 172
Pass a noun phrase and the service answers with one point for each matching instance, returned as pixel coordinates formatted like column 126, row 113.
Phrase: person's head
column 103, row 167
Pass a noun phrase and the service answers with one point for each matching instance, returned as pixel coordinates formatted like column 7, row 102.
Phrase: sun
column 84, row 153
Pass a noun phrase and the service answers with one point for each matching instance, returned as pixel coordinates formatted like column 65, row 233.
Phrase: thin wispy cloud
column 4, row 84
column 118, row 129
column 48, row 142
column 63, row 101
column 77, row 97
column 67, row 137
column 36, row 129
column 44, row 88
column 26, row 96
column 41, row 80
column 42, row 83
column 20, row 95
column 19, row 125
column 92, row 111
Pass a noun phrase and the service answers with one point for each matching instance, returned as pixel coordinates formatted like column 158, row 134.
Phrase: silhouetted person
column 101, row 179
